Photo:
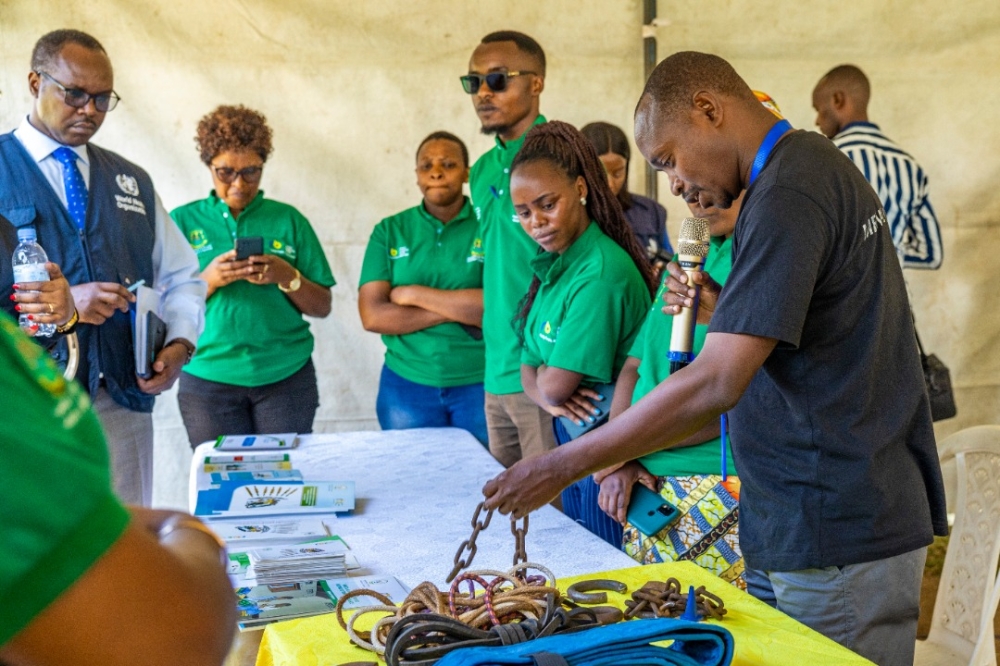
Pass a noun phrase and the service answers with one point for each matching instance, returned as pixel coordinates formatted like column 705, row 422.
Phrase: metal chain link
column 520, row 555
column 470, row 543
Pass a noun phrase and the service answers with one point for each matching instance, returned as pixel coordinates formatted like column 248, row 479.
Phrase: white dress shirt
column 175, row 266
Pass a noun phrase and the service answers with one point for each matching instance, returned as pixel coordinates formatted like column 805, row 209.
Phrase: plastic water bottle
column 29, row 266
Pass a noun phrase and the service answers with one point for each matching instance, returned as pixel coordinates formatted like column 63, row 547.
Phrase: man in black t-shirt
column 810, row 348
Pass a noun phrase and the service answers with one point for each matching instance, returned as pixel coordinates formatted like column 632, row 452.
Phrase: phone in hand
column 249, row 246
column 649, row 512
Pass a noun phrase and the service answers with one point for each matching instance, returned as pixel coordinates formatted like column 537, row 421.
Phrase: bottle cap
column 26, row 234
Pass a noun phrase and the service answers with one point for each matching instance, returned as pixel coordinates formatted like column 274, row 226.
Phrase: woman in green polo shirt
column 252, row 372
column 421, row 290
column 688, row 475
column 587, row 300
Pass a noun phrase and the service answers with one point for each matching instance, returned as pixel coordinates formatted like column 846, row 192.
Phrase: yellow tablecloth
column 762, row 635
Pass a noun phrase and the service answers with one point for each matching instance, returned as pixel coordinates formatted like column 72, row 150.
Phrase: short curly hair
column 233, row 128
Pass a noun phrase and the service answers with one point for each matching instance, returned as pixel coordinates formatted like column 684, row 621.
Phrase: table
column 416, row 493
column 761, row 634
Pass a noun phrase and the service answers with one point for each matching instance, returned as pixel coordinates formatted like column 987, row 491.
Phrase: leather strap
column 547, row 659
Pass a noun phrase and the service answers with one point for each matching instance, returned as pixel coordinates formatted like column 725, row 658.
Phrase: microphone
column 692, row 248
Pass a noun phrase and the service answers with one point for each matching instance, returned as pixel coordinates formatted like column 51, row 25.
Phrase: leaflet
column 390, row 586
column 285, row 440
column 234, row 533
column 236, row 498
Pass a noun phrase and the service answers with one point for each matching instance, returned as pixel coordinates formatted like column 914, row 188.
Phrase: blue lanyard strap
column 767, row 146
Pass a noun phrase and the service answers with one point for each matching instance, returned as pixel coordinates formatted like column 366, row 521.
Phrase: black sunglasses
column 78, row 98
column 250, row 175
column 496, row 81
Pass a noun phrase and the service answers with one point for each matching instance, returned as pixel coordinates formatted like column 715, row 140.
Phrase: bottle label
column 30, row 273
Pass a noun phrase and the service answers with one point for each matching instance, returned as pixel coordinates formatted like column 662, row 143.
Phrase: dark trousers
column 210, row 409
column 579, row 502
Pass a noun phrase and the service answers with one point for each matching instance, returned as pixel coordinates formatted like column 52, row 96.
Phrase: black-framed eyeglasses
column 496, row 81
column 227, row 175
column 77, row 98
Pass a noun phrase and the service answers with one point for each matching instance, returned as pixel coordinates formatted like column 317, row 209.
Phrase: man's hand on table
column 527, row 485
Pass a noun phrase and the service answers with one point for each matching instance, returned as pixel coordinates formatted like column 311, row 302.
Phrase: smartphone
column 649, row 512
column 249, row 246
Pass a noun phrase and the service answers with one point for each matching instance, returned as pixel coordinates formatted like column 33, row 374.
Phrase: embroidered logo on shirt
column 476, row 253
column 399, row 253
column 546, row 332
column 129, row 185
column 286, row 249
column 130, row 203
column 198, row 240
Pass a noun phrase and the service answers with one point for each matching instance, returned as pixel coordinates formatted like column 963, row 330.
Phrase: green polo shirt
column 58, row 515
column 589, row 307
column 507, row 252
column 254, row 335
column 651, row 346
column 414, row 247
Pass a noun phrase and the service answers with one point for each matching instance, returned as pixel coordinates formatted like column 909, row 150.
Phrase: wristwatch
column 293, row 285
column 187, row 345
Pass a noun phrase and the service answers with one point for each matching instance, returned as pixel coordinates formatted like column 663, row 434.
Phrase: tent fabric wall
column 350, row 88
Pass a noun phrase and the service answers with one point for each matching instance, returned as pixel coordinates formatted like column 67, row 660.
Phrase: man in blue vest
column 99, row 218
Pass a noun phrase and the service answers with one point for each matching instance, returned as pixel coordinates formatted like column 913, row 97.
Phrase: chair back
column 970, row 589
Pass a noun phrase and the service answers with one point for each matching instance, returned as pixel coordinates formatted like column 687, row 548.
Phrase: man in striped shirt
column 841, row 102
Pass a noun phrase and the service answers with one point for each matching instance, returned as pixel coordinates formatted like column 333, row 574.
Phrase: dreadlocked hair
column 562, row 145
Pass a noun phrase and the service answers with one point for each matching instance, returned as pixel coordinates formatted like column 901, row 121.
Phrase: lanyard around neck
column 767, row 146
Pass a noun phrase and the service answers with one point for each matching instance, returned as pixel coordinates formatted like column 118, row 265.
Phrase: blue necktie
column 76, row 189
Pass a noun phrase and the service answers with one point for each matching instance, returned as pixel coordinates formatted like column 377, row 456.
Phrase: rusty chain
column 520, row 555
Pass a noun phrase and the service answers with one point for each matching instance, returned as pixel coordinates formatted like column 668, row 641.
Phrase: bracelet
column 70, row 324
column 180, row 521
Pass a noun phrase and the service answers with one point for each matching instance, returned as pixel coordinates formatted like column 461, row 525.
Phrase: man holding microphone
column 810, row 350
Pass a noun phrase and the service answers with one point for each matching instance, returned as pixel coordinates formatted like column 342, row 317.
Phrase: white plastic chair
column 962, row 623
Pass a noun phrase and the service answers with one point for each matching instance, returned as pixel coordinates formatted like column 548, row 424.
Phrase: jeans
column 210, row 409
column 870, row 607
column 579, row 502
column 404, row 404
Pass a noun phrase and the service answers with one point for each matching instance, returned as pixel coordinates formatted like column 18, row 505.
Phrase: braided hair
column 561, row 145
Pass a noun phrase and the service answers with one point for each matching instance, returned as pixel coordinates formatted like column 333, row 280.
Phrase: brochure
column 286, row 440
column 390, row 586
column 237, row 498
column 235, row 533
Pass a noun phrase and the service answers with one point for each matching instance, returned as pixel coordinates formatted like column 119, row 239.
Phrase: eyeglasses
column 78, row 99
column 497, row 81
column 227, row 175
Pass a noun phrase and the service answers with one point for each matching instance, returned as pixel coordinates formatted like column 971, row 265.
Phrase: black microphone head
column 694, row 237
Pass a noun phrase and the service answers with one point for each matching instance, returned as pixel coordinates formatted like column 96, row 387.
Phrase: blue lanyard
column 765, row 149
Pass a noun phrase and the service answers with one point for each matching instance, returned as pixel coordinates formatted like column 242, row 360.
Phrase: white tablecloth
column 416, row 492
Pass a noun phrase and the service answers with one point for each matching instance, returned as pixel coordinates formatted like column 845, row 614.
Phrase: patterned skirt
column 706, row 532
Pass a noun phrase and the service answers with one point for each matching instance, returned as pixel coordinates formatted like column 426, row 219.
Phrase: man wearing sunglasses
column 99, row 218
column 506, row 78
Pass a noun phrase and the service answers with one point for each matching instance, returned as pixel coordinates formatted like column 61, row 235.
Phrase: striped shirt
column 901, row 184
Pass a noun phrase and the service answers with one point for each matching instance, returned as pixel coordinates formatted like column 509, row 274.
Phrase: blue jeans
column 404, row 404
column 579, row 502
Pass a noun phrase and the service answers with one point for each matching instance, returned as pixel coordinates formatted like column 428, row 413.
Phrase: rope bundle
column 509, row 597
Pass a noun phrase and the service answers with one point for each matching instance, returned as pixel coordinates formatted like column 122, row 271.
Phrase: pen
column 496, row 195
column 136, row 285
